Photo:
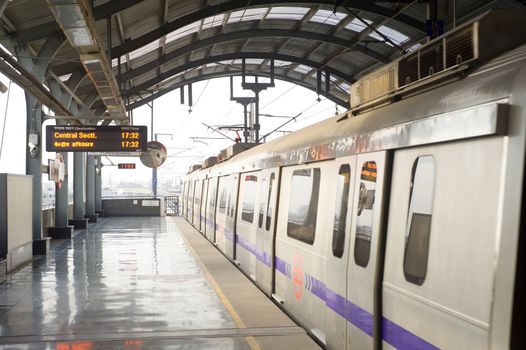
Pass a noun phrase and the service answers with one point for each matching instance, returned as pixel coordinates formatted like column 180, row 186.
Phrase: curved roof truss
column 214, row 75
column 234, row 5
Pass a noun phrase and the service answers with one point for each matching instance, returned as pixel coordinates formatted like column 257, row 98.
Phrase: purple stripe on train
column 401, row 338
column 392, row 333
column 281, row 266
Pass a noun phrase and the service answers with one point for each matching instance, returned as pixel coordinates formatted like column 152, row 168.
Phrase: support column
column 61, row 198
column 62, row 229
column 90, row 189
column 34, row 156
column 98, row 187
column 38, row 68
column 78, row 192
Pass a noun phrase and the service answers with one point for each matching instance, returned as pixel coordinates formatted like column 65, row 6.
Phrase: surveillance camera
column 33, row 150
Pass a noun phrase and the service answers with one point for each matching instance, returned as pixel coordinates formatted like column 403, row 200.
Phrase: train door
column 182, row 201
column 265, row 231
column 221, row 213
column 190, row 201
column 230, row 227
column 301, row 244
column 445, row 227
column 246, row 223
column 339, row 199
column 365, row 254
column 202, row 210
column 198, row 192
column 211, row 210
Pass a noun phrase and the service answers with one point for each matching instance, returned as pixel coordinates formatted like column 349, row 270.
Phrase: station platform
column 139, row 283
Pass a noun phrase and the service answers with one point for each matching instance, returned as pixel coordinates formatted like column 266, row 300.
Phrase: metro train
column 398, row 223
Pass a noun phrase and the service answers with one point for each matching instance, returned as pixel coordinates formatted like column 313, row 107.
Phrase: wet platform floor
column 139, row 283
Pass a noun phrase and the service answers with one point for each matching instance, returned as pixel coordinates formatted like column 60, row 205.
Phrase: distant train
column 397, row 224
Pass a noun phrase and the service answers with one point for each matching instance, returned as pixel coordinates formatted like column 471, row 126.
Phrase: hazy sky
column 211, row 106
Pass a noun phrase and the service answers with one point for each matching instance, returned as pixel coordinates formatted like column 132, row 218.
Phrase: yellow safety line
column 233, row 313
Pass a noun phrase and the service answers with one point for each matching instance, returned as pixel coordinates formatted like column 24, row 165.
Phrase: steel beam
column 3, row 5
column 215, row 75
column 246, row 34
column 112, row 7
column 37, row 32
column 66, row 68
column 233, row 5
column 232, row 56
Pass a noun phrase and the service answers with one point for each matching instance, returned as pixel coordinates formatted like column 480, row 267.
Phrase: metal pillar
column 256, row 123
column 98, row 186
column 61, row 194
column 78, row 186
column 245, row 101
column 256, row 87
column 61, row 198
column 154, row 182
column 38, row 68
column 154, row 170
column 34, row 161
column 62, row 228
column 90, row 187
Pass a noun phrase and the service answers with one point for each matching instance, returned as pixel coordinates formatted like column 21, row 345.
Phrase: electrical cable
column 278, row 97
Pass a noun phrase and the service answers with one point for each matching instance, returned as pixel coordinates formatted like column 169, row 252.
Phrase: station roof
column 165, row 44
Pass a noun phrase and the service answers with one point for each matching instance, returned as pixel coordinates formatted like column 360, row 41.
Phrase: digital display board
column 96, row 138
column 126, row 165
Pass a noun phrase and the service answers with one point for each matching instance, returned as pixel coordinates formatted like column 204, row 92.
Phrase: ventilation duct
column 76, row 20
column 466, row 47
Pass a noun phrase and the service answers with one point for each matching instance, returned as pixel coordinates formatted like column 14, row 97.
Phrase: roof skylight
column 247, row 15
column 328, row 17
column 65, row 77
column 254, row 61
column 213, row 21
column 394, row 35
column 357, row 25
column 115, row 61
column 144, row 49
column 292, row 13
column 183, row 31
column 278, row 63
column 303, row 69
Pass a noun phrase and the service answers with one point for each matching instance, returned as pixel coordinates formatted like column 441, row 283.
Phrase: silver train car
column 399, row 227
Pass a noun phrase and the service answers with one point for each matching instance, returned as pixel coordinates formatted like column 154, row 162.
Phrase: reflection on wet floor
column 125, row 275
column 169, row 344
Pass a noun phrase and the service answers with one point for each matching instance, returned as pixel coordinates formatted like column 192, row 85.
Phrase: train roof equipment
column 442, row 60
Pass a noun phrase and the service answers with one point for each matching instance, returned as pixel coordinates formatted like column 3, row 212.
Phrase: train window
column 229, row 209
column 249, row 198
column 268, row 218
column 198, row 191
column 419, row 220
column 340, row 214
column 222, row 196
column 212, row 193
column 303, row 206
column 365, row 214
column 262, row 201
column 190, row 194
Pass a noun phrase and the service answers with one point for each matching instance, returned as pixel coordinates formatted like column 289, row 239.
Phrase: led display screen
column 96, row 138
column 126, row 165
